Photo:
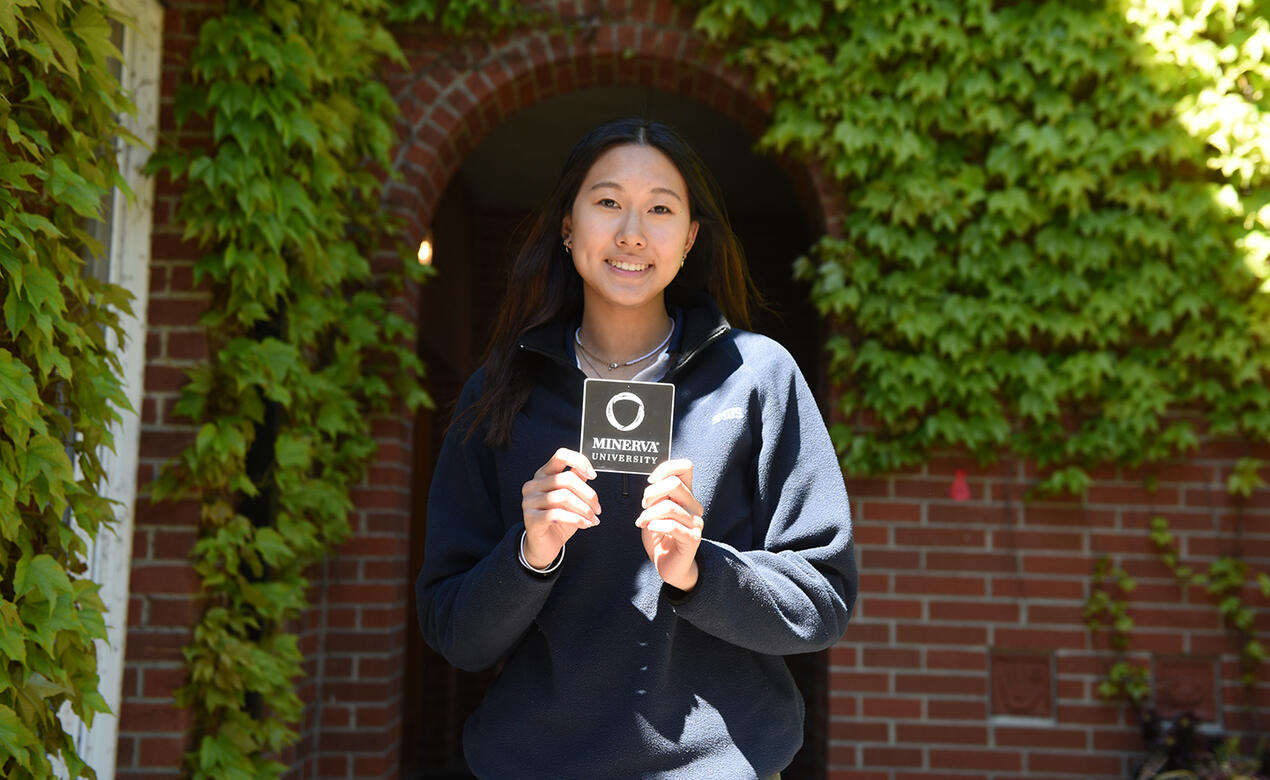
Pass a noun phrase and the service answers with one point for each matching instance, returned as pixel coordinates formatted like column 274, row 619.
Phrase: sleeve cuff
column 532, row 569
column 676, row 597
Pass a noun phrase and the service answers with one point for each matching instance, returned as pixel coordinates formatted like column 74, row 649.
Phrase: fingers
column 565, row 458
column 562, row 500
column 565, row 490
column 535, row 518
column 673, row 490
column 672, row 480
column 671, row 512
column 560, row 484
column 670, row 517
column 679, row 467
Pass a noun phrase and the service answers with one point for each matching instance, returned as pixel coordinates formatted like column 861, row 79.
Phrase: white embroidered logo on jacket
column 731, row 413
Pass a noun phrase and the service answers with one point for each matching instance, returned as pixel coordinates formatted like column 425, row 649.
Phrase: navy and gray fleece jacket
column 608, row 672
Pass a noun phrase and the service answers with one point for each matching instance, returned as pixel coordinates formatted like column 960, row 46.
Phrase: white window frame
column 110, row 554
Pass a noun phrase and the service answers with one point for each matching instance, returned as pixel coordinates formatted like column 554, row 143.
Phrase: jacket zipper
column 553, row 357
column 683, row 361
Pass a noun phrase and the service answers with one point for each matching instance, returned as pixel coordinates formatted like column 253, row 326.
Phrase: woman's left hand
column 671, row 523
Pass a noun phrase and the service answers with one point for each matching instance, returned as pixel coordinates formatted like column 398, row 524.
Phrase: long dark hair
column 544, row 286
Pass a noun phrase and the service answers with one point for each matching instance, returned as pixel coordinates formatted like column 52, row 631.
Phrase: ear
column 692, row 235
column 566, row 227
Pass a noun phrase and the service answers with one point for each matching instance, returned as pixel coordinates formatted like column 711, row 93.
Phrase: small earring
column 568, row 249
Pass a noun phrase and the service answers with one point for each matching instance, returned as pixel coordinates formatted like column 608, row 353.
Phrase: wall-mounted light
column 425, row 249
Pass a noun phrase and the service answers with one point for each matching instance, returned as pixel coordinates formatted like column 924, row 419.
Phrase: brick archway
column 452, row 95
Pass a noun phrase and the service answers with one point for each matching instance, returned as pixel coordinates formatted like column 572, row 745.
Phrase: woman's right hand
column 556, row 503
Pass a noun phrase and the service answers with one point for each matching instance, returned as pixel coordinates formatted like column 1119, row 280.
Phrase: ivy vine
column 285, row 201
column 60, row 391
column 1057, row 221
column 1229, row 585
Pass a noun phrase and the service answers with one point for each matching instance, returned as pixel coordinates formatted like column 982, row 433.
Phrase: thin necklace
column 615, row 366
column 589, row 363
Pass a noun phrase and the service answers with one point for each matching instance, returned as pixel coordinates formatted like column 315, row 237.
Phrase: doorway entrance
column 474, row 233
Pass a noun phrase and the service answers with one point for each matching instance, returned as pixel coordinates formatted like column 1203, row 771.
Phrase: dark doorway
column 473, row 232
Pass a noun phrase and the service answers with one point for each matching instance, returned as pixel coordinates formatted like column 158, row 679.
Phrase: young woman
column 640, row 622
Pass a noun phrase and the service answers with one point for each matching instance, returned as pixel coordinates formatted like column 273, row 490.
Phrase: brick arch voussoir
column 449, row 110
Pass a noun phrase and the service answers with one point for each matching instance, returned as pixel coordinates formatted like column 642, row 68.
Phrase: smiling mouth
column 619, row 265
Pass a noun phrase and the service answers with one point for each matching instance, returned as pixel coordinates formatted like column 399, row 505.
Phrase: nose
column 630, row 232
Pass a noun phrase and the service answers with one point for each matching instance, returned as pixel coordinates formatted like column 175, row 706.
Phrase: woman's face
column 630, row 227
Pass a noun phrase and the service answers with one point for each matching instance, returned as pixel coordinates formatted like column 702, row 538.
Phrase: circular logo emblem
column 639, row 415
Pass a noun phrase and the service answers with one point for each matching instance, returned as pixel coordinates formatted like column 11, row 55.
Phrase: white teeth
column 627, row 266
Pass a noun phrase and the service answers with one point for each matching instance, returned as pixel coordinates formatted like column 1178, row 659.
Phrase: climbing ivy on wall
column 1056, row 226
column 60, row 390
column 284, row 199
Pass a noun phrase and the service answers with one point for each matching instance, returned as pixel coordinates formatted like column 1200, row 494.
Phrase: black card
column 626, row 425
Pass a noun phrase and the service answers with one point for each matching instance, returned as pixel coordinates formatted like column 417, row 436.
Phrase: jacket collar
column 703, row 324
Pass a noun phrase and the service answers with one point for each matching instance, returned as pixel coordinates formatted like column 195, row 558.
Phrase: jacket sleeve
column 474, row 598
column 795, row 592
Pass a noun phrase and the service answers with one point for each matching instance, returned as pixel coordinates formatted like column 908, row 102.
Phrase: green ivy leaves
column 59, row 384
column 1054, row 232
column 287, row 208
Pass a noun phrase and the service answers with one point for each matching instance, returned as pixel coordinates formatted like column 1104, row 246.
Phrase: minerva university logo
column 626, row 425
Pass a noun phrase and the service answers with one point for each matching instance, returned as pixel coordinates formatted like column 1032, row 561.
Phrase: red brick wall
column 968, row 607
column 968, row 655
column 164, row 600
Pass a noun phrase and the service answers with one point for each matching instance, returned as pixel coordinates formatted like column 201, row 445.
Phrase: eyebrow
column 616, row 186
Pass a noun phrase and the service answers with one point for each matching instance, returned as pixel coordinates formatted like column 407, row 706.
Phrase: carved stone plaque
column 1023, row 684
